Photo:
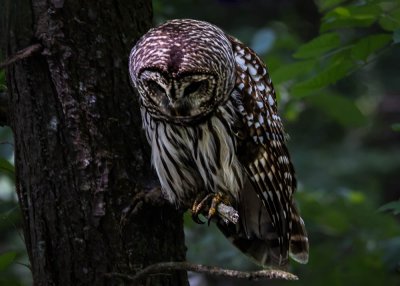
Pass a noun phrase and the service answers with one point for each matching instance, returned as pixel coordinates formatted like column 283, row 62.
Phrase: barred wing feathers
column 278, row 228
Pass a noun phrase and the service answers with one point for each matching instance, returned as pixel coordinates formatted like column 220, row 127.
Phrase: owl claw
column 218, row 198
column 197, row 208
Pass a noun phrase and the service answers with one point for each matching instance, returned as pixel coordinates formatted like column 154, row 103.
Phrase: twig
column 22, row 54
column 227, row 213
column 7, row 143
column 161, row 268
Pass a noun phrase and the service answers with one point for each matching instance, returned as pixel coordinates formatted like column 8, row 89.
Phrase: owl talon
column 216, row 200
column 211, row 214
column 197, row 208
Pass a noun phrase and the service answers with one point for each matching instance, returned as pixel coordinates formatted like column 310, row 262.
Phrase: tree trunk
column 82, row 163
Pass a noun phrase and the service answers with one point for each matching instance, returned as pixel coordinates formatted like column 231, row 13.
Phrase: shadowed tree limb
column 22, row 54
column 164, row 268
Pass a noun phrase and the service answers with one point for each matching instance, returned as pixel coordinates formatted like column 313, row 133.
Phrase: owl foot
column 198, row 207
column 216, row 200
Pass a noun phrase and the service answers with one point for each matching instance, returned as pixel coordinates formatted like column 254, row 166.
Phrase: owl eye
column 155, row 87
column 194, row 86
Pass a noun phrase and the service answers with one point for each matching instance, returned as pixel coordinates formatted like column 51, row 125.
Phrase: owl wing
column 265, row 157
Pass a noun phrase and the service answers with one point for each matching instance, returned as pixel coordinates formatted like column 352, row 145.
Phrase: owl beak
column 180, row 108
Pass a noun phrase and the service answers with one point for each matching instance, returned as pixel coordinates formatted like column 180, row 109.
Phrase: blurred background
column 336, row 68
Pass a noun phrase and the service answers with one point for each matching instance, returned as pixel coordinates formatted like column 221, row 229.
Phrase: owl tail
column 260, row 251
column 298, row 249
column 255, row 236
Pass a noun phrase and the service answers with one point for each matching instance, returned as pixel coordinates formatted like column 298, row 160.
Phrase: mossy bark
column 82, row 164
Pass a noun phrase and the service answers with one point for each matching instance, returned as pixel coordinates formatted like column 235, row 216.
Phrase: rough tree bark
column 82, row 164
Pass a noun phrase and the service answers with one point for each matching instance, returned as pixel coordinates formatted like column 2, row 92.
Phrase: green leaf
column 342, row 11
column 7, row 169
column 356, row 197
column 396, row 36
column 318, row 46
column 392, row 206
column 327, row 4
column 340, row 108
column 324, row 78
column 346, row 23
column 390, row 21
column 290, row 71
column 341, row 55
column 396, row 127
column 6, row 259
column 365, row 11
column 351, row 17
column 368, row 45
column 389, row 5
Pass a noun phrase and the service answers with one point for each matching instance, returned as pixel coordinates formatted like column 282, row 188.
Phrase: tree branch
column 165, row 267
column 227, row 213
column 22, row 54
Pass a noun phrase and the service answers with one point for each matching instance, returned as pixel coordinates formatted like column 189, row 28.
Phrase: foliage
column 396, row 127
column 348, row 235
column 6, row 168
column 392, row 206
column 12, row 249
column 341, row 48
column 6, row 259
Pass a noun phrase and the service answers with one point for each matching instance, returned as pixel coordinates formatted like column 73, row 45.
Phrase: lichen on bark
column 81, row 157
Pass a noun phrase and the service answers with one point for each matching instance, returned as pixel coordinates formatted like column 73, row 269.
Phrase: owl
column 209, row 112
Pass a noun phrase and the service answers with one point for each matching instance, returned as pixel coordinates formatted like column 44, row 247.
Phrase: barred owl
column 209, row 112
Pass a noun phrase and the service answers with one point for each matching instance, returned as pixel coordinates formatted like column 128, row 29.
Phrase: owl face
column 182, row 97
column 183, row 70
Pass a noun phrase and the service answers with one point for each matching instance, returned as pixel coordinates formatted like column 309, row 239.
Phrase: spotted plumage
column 210, row 115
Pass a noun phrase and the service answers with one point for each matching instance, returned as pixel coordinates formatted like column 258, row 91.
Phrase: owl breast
column 193, row 160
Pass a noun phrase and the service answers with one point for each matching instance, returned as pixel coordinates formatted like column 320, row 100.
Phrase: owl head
column 183, row 70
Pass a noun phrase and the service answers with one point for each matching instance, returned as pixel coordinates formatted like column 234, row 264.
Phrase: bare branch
column 6, row 142
column 227, row 213
column 22, row 54
column 163, row 267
